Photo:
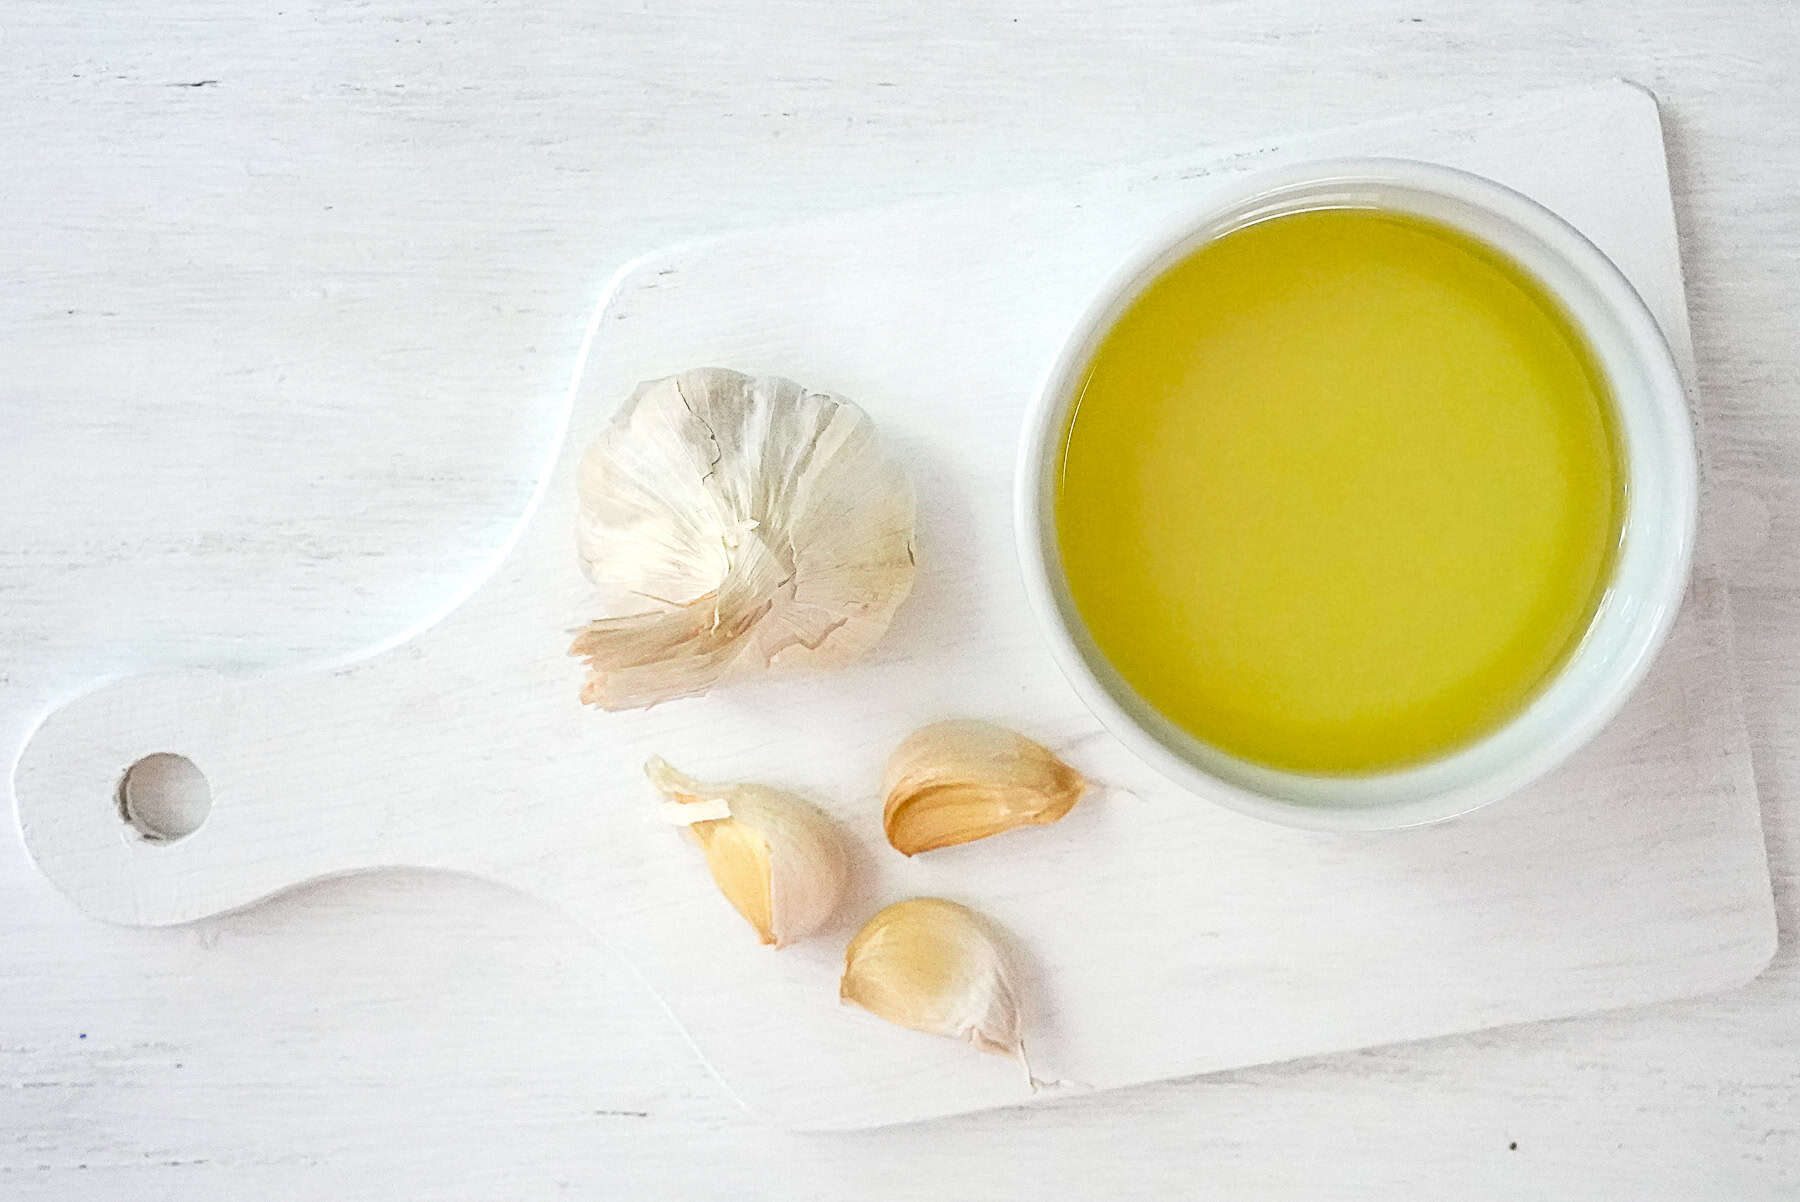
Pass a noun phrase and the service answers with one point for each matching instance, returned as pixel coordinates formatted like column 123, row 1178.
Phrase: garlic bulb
column 952, row 782
column 929, row 964
column 779, row 861
column 732, row 524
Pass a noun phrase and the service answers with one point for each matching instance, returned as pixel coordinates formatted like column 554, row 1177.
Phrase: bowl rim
column 1660, row 462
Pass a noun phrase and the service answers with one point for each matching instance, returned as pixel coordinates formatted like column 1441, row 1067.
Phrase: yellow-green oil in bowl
column 1340, row 492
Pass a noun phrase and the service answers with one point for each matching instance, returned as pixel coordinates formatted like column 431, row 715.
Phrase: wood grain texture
column 234, row 447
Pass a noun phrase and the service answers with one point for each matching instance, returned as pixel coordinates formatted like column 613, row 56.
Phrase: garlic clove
column 778, row 860
column 930, row 965
column 956, row 781
column 731, row 524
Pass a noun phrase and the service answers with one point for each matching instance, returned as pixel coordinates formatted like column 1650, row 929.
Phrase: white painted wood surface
column 1159, row 937
column 380, row 1038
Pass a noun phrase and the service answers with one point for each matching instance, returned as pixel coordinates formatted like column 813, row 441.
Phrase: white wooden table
column 288, row 300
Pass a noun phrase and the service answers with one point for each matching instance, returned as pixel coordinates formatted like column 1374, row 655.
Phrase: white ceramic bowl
column 1635, row 613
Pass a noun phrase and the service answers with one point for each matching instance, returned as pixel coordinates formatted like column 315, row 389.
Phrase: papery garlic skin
column 956, row 781
column 732, row 524
column 780, row 861
column 931, row 965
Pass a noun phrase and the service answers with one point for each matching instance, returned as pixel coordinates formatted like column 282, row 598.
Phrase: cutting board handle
column 164, row 798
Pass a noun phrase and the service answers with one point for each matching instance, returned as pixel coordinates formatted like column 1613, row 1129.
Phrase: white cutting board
column 1162, row 937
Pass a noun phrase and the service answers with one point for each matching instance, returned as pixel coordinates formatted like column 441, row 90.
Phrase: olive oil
column 1341, row 491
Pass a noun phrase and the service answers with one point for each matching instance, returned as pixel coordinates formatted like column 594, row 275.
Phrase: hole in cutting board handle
column 164, row 797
